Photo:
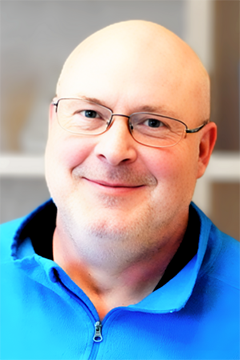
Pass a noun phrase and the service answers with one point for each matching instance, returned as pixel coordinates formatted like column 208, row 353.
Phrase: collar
column 174, row 295
column 186, row 251
column 170, row 295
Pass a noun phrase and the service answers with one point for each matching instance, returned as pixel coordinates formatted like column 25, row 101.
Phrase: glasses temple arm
column 191, row 131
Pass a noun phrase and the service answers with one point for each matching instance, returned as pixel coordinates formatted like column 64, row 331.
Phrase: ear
column 51, row 114
column 206, row 145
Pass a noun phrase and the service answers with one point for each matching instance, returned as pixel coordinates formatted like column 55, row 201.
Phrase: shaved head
column 129, row 47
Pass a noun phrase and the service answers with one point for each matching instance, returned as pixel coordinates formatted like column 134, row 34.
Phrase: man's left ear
column 206, row 145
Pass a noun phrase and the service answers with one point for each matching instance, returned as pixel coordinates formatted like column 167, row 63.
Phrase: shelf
column 223, row 166
column 21, row 165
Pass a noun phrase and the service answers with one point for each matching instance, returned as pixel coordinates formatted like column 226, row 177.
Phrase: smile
column 109, row 185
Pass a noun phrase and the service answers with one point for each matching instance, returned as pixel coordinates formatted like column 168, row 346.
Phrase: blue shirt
column 45, row 315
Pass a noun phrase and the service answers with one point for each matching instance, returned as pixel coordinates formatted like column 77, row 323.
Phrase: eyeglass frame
column 55, row 103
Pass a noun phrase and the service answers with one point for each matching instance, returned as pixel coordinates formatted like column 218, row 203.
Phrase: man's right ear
column 51, row 113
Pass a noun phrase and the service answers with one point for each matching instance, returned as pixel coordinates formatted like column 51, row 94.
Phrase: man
column 120, row 265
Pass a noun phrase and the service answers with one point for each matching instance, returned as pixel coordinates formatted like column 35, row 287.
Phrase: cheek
column 163, row 164
column 67, row 151
column 175, row 168
column 63, row 154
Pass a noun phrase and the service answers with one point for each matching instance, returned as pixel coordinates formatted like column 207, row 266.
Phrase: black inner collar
column 186, row 251
column 40, row 230
column 42, row 224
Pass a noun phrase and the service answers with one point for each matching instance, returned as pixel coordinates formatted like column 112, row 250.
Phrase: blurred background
column 37, row 37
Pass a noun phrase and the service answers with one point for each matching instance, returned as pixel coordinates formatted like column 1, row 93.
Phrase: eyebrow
column 144, row 108
column 97, row 101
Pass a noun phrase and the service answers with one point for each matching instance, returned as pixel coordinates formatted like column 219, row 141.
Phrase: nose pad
column 130, row 126
column 117, row 145
column 111, row 122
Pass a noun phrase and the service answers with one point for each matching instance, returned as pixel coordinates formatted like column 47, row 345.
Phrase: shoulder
column 221, row 255
column 14, row 232
column 225, row 264
column 8, row 232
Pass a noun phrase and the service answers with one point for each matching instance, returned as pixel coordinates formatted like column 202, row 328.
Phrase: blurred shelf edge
column 14, row 165
column 223, row 166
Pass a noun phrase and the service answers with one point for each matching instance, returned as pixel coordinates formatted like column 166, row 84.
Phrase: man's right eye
column 90, row 114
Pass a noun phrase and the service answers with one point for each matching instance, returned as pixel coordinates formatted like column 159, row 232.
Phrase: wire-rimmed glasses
column 87, row 118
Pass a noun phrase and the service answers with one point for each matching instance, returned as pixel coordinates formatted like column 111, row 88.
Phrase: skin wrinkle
column 109, row 240
column 121, row 175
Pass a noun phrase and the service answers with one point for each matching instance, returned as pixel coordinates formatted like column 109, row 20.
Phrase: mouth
column 111, row 185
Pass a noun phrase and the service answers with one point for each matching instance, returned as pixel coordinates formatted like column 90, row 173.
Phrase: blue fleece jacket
column 45, row 315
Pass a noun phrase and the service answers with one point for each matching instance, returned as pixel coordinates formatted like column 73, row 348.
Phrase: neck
column 109, row 277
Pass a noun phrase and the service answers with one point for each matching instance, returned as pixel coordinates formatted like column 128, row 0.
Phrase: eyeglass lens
column 87, row 118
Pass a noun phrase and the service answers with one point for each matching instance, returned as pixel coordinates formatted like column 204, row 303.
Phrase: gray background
column 36, row 38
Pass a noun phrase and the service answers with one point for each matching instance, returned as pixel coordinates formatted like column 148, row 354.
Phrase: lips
column 112, row 185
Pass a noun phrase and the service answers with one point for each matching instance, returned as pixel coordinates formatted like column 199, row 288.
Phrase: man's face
column 109, row 185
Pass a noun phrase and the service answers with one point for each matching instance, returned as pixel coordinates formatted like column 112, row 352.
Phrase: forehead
column 131, row 73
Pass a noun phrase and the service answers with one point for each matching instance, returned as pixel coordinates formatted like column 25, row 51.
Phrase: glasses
column 87, row 118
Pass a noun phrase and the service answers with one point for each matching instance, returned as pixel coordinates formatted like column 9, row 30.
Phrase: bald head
column 111, row 191
column 138, row 54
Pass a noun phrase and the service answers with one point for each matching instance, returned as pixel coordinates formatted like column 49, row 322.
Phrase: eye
column 90, row 114
column 153, row 123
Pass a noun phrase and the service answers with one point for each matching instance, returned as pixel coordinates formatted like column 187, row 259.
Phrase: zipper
column 98, row 332
column 97, row 338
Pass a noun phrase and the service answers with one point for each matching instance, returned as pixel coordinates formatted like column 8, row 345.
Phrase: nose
column 116, row 145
